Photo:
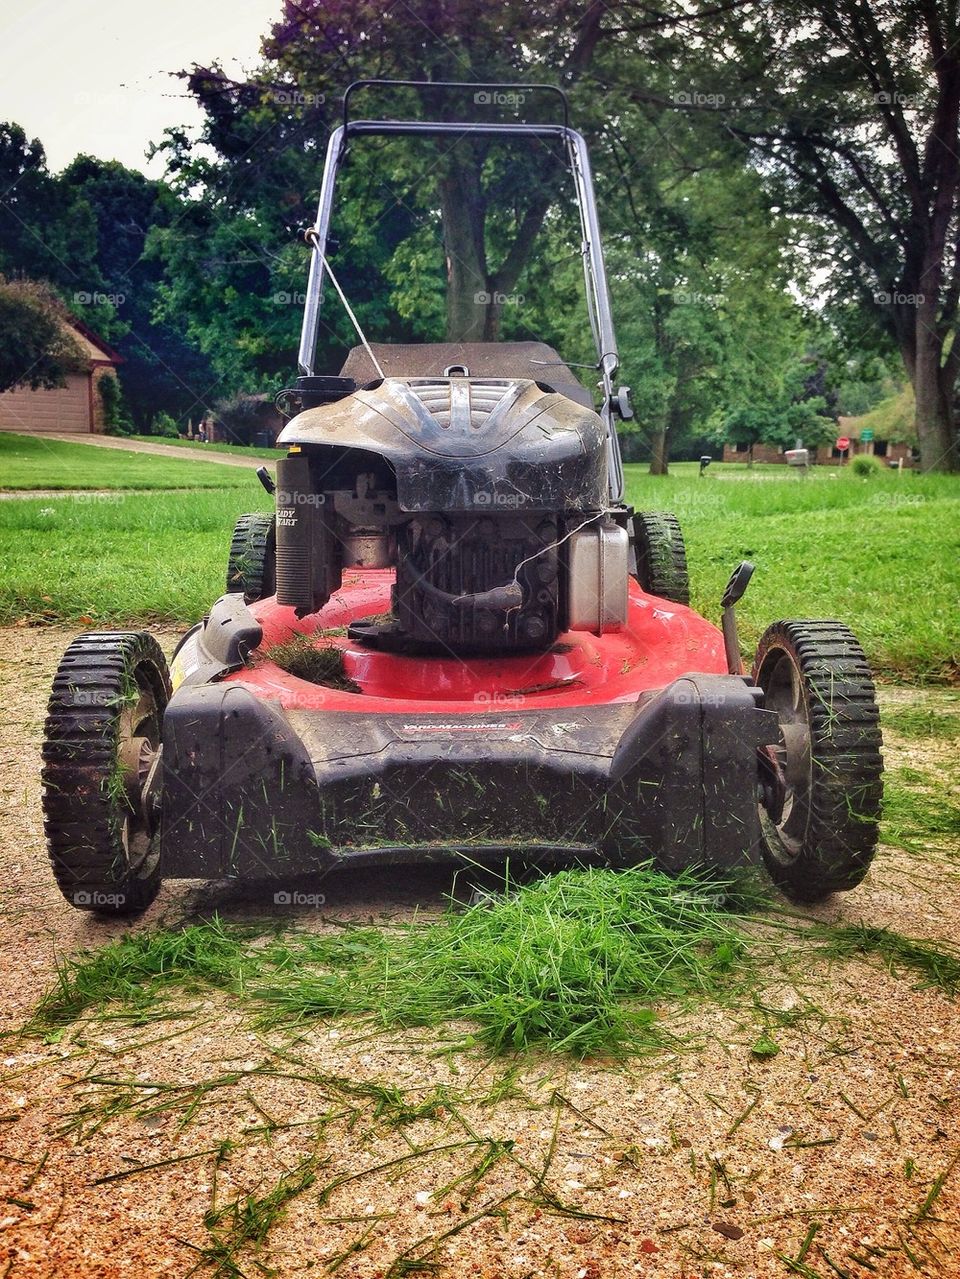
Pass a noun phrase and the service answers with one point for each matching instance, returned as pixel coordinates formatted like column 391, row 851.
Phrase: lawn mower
column 453, row 641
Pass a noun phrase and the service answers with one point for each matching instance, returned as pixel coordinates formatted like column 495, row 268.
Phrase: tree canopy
column 778, row 188
column 36, row 345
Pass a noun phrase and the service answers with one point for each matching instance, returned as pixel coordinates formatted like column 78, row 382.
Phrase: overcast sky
column 92, row 75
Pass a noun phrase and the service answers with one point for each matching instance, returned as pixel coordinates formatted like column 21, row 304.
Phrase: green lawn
column 120, row 558
column 882, row 554
column 29, row 461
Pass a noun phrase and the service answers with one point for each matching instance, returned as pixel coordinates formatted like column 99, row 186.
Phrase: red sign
column 843, row 443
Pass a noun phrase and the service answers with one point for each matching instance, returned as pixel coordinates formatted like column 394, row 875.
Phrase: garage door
column 66, row 408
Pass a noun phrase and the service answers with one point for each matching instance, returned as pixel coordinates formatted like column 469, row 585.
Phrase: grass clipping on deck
column 574, row 962
column 318, row 663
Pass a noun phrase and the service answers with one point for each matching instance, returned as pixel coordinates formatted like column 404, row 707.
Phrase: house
column 75, row 408
column 888, row 427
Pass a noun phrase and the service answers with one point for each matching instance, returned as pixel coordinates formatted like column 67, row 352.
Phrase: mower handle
column 594, row 271
column 476, row 86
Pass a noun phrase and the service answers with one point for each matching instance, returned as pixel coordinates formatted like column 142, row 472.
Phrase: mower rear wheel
column 661, row 556
column 820, row 832
column 101, row 753
column 252, row 563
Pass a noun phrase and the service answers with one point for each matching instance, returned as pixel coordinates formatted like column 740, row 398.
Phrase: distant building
column 889, row 427
column 76, row 407
column 827, row 455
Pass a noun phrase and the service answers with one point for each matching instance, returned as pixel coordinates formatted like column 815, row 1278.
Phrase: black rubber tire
column 661, row 556
column 252, row 562
column 816, row 675
column 100, row 843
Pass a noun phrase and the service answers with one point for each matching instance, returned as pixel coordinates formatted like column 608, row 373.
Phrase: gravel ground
column 199, row 1144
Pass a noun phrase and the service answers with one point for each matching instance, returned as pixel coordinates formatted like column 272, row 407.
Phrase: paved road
column 160, row 450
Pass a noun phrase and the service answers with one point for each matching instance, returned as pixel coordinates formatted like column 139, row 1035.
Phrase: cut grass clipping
column 573, row 962
column 317, row 662
column 577, row 962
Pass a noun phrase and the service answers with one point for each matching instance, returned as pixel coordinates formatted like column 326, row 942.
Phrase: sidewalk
column 161, row 450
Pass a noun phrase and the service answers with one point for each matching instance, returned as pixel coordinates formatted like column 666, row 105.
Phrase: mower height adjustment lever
column 739, row 581
column 265, row 478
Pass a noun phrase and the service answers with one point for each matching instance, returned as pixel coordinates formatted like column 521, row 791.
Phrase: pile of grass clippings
column 575, row 962
column 580, row 962
column 318, row 663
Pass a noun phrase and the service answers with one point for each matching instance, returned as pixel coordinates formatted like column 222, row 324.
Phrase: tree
column 266, row 134
column 676, row 241
column 316, row 43
column 36, row 347
column 46, row 232
column 84, row 232
column 850, row 108
column 699, row 277
column 800, row 413
column 162, row 370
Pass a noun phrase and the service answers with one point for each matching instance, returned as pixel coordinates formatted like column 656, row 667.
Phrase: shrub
column 866, row 465
column 243, row 417
column 115, row 421
column 37, row 348
column 163, row 424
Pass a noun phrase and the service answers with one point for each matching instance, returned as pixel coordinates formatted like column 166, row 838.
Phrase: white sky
column 91, row 75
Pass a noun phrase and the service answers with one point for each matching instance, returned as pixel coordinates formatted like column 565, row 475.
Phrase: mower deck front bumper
column 252, row 790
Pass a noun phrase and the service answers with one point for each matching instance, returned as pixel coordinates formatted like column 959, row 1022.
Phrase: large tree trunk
column 935, row 429
column 933, row 387
column 468, row 294
column 660, row 457
column 476, row 294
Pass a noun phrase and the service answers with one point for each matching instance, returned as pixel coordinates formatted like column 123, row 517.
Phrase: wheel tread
column 81, row 822
column 846, row 777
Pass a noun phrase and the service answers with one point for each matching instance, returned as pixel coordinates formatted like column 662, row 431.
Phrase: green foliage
column 865, row 465
column 932, row 962
column 36, row 347
column 781, row 416
column 892, row 418
column 84, row 232
column 47, row 231
column 166, row 427
column 845, row 118
column 115, row 421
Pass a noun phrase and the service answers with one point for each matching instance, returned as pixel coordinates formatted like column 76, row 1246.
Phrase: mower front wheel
column 101, row 754
column 822, row 804
column 252, row 562
column 661, row 556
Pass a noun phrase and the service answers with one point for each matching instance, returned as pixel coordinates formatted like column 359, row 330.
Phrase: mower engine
column 487, row 496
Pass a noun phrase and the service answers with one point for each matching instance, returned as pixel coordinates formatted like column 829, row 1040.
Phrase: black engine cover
column 491, row 446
